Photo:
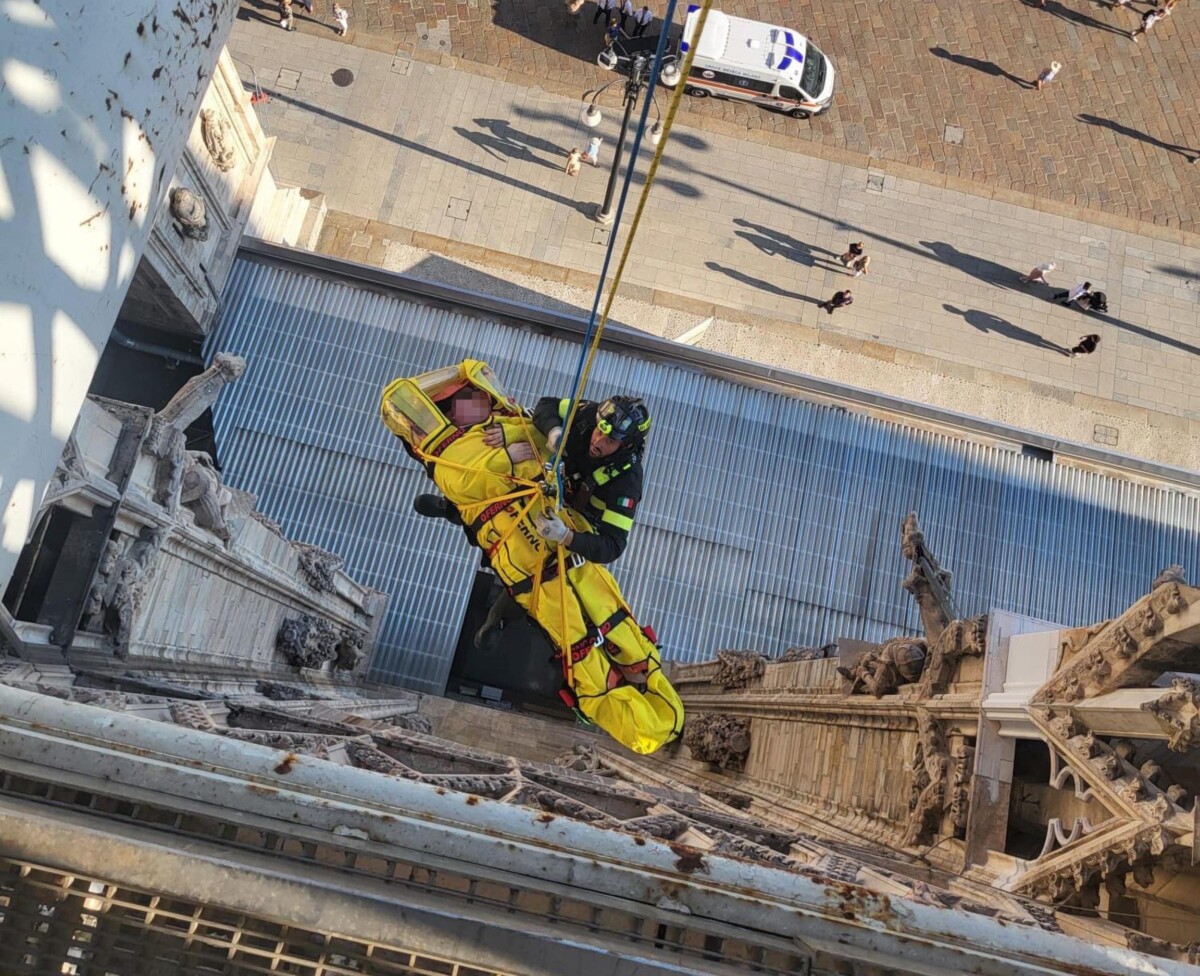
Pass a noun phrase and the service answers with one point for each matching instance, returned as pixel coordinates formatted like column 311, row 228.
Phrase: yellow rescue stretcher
column 613, row 673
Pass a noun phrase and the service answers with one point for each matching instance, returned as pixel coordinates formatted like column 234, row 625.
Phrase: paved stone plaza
column 473, row 159
column 1115, row 131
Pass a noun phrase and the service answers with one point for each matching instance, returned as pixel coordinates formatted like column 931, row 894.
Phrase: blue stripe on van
column 785, row 64
column 793, row 53
column 683, row 47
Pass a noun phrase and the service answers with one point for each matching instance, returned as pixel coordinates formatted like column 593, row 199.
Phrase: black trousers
column 600, row 12
column 639, row 29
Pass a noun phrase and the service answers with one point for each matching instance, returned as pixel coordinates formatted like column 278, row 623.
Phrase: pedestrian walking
column 860, row 264
column 1079, row 293
column 840, row 299
column 1149, row 19
column 341, row 17
column 1087, row 344
column 1121, row 3
column 592, row 153
column 574, row 161
column 641, row 20
column 603, row 9
column 626, row 11
column 286, row 18
column 1039, row 273
column 307, row 5
column 853, row 252
column 614, row 32
column 1047, row 75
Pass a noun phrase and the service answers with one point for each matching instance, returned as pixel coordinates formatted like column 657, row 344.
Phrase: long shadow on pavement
column 987, row 322
column 583, row 207
column 772, row 242
column 1140, row 136
column 758, row 283
column 987, row 67
column 1056, row 9
column 501, row 146
column 984, row 269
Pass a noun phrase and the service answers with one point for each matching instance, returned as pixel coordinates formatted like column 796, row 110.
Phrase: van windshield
column 813, row 78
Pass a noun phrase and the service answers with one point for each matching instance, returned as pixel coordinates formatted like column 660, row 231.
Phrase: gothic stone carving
column 1172, row 574
column 190, row 214
column 280, row 691
column 412, row 722
column 736, row 669
column 71, row 467
column 202, row 493
column 959, row 639
column 881, row 670
column 927, row 581
column 192, row 716
column 308, row 641
column 930, row 769
column 201, row 392
column 120, row 585
column 808, row 653
column 720, row 739
column 1140, row 942
column 215, row 133
column 318, row 567
column 165, row 440
column 1096, row 657
column 1178, row 710
column 963, row 756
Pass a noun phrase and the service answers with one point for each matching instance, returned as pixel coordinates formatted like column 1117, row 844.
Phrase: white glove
column 551, row 528
column 553, row 438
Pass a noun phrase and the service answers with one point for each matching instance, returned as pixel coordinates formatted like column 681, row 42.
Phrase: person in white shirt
column 602, row 10
column 1077, row 294
column 1039, row 274
column 641, row 20
column 627, row 11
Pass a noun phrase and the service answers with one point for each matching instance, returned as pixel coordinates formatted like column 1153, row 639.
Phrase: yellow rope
column 651, row 173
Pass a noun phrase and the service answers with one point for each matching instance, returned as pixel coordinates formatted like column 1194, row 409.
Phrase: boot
column 497, row 617
column 432, row 506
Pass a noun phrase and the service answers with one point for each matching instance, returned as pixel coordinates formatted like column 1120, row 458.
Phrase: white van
column 755, row 62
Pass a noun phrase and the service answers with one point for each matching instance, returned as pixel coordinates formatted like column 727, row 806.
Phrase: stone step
column 314, row 219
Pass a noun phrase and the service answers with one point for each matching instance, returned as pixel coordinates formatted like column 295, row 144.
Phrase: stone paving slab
column 1116, row 131
column 741, row 225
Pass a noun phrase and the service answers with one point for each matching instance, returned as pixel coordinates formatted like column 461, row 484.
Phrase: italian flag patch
column 624, row 501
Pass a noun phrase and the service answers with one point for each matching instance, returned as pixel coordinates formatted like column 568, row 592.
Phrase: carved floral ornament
column 1178, row 710
column 720, row 739
column 216, row 140
column 1113, row 647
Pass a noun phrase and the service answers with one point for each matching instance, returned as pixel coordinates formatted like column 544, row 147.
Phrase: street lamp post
column 591, row 117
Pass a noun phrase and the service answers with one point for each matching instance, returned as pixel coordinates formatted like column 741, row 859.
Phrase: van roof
column 749, row 44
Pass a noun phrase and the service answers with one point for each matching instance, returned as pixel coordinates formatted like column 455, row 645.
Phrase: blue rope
column 655, row 69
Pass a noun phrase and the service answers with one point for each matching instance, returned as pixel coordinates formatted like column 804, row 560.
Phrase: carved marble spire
column 927, row 581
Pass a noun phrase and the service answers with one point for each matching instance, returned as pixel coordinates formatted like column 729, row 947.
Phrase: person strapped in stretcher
column 486, row 455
